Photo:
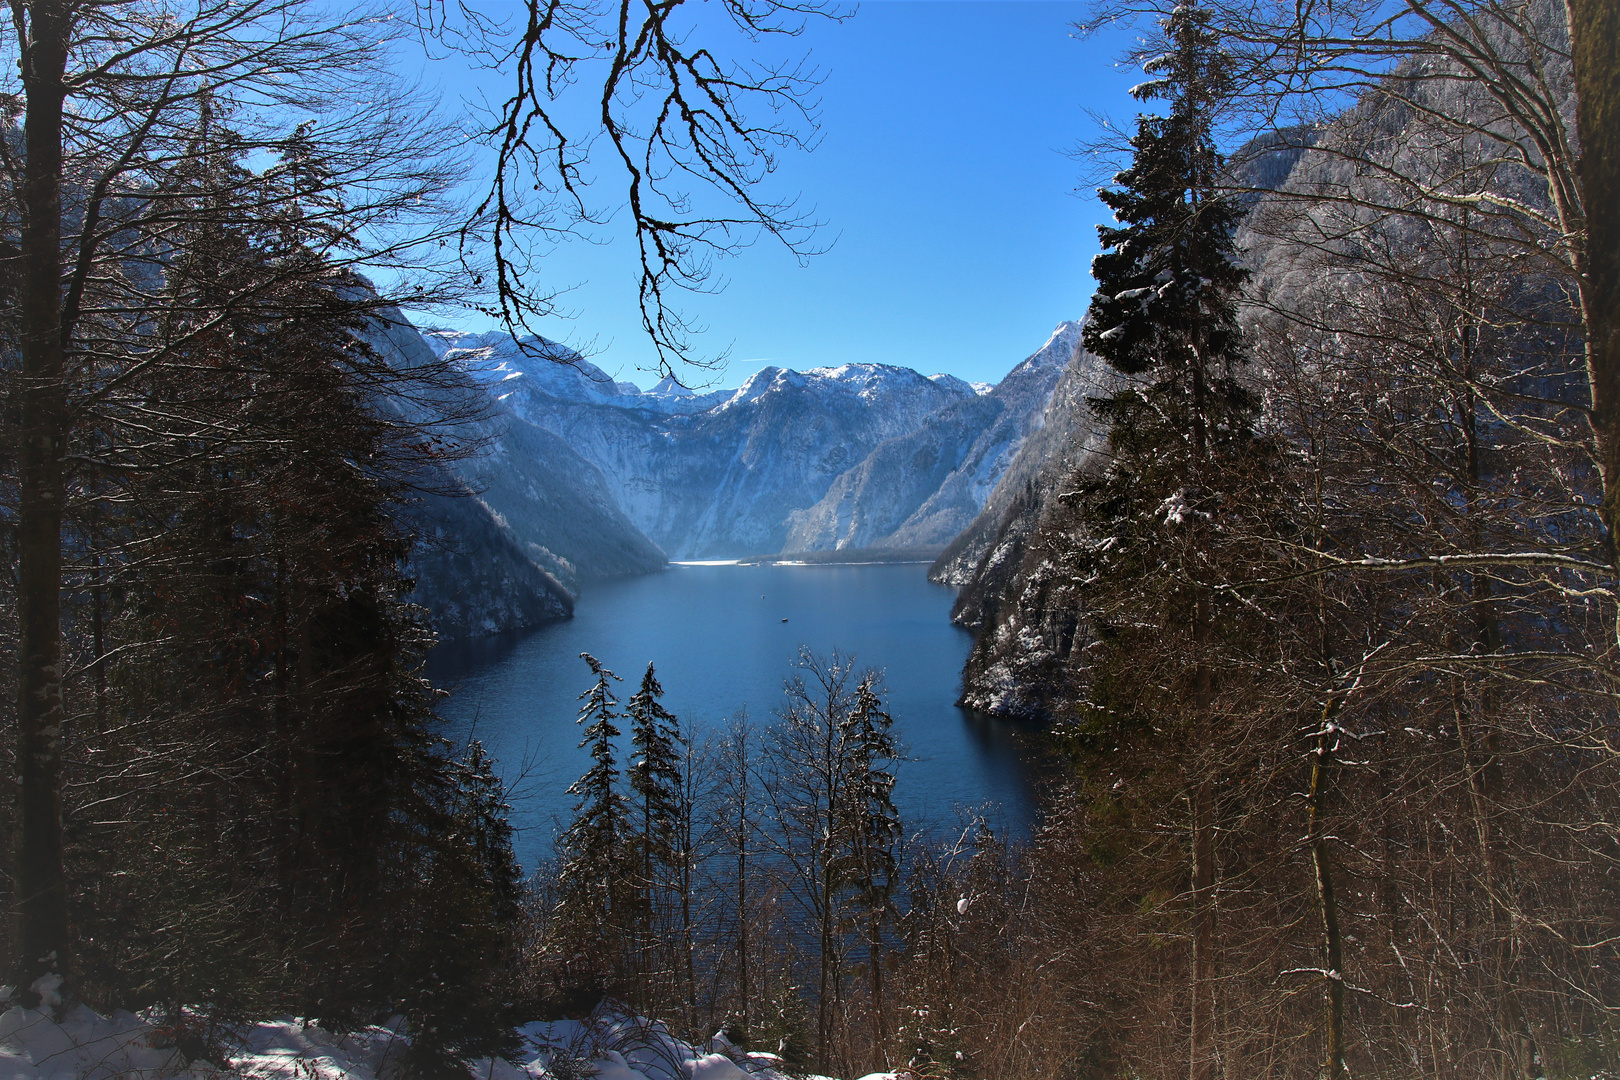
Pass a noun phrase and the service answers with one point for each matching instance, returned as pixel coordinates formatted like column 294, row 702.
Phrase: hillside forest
column 1304, row 570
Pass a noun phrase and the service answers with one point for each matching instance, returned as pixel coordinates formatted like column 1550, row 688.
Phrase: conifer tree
column 1182, row 443
column 655, row 774
column 593, row 848
column 873, row 830
column 655, row 782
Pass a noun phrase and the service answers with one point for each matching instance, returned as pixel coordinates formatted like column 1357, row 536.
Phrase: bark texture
column 1595, row 42
column 41, row 891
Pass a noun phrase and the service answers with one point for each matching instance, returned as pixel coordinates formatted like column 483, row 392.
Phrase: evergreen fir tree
column 1167, row 278
column 455, row 971
column 655, row 785
column 655, row 775
column 1155, row 531
column 873, row 830
column 481, row 815
column 593, row 848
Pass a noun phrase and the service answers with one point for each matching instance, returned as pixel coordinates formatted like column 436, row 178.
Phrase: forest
column 1325, row 643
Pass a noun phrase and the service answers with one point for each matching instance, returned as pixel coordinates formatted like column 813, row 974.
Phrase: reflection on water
column 723, row 639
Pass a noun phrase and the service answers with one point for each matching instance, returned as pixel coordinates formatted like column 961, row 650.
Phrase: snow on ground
column 611, row 1044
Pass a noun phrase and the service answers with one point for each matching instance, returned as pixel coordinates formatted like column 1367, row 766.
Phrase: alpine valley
column 578, row 477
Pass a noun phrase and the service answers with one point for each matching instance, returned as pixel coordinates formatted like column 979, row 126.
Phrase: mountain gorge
column 583, row 477
column 919, row 490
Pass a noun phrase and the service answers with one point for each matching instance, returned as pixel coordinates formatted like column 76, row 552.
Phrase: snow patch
column 612, row 1044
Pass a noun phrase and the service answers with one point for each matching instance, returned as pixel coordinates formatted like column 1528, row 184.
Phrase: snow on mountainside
column 512, row 374
column 1065, row 437
column 985, row 560
column 921, row 489
column 714, row 474
column 585, row 476
column 507, row 533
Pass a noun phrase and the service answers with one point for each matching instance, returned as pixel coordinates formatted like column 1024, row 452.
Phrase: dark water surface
column 718, row 637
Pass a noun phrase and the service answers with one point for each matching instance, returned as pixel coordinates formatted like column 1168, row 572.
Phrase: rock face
column 1002, row 597
column 508, row 532
column 1068, row 436
column 921, row 489
column 583, row 477
column 720, row 474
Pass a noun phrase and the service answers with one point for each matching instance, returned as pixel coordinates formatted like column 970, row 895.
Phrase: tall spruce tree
column 873, row 832
column 260, row 814
column 591, row 879
column 655, row 782
column 1181, row 434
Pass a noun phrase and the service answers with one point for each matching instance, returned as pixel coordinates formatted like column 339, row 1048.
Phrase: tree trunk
column 688, row 944
column 874, row 961
column 1201, row 1049
column 824, row 988
column 742, row 900
column 1594, row 27
column 42, row 929
column 1202, row 1055
column 1327, row 900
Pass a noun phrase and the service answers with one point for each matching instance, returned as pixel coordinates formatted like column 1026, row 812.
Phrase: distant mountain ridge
column 581, row 476
column 921, row 489
column 740, row 472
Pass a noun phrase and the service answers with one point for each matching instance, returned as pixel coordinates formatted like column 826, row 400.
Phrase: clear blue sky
column 960, row 232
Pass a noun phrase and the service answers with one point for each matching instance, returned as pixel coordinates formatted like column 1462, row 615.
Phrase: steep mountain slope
column 711, row 475
column 921, row 489
column 473, row 575
column 1003, row 561
column 508, row 532
column 1068, row 436
column 989, row 558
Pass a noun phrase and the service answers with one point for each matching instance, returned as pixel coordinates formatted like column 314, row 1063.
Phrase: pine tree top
column 1168, row 269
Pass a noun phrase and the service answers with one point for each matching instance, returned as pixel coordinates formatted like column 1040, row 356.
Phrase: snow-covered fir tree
column 654, row 775
column 655, row 778
column 1167, row 279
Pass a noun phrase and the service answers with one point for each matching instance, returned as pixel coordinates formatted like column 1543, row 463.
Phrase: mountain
column 1000, row 599
column 508, row 532
column 715, row 474
column 473, row 574
column 1066, row 436
column 921, row 489
column 581, row 476
column 1003, row 562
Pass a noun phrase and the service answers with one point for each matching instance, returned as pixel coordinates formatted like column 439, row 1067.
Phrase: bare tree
column 691, row 138
column 735, row 829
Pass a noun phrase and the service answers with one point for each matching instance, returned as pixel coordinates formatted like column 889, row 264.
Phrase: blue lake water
column 718, row 637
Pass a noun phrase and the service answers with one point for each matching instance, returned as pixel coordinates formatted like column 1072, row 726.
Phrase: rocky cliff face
column 1003, row 593
column 921, row 489
column 508, row 532
column 711, row 475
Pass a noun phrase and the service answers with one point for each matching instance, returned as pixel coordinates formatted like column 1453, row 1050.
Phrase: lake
column 723, row 638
